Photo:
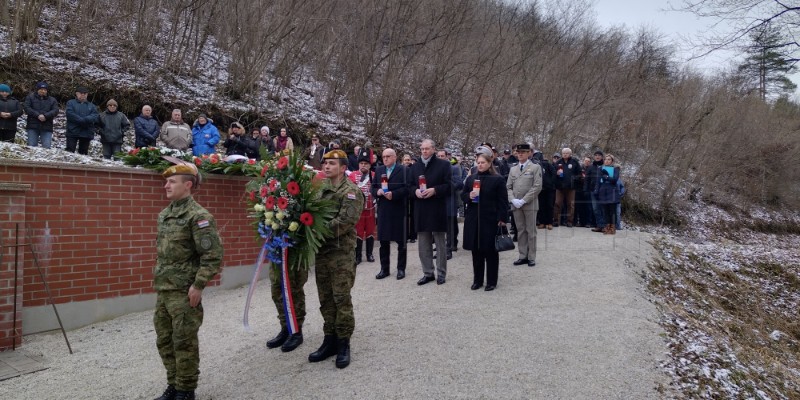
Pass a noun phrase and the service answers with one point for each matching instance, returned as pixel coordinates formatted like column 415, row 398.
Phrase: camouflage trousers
column 335, row 274
column 297, row 279
column 176, row 326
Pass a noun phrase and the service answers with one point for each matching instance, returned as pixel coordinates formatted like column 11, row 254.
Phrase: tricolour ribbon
column 288, row 301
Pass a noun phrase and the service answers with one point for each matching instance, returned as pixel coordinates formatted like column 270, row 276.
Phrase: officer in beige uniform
column 524, row 184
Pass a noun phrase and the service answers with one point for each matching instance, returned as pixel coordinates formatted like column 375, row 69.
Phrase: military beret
column 523, row 147
column 180, row 169
column 335, row 155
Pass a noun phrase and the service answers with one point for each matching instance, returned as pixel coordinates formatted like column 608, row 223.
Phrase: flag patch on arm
column 351, row 196
column 202, row 223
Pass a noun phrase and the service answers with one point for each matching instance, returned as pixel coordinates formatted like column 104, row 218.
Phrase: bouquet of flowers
column 151, row 157
column 288, row 211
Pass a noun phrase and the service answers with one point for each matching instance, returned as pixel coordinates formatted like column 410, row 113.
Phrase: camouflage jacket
column 189, row 248
column 351, row 202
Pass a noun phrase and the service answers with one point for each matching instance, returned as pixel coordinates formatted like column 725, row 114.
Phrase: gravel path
column 576, row 326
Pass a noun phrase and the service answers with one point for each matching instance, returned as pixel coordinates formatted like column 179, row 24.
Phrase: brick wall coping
column 100, row 168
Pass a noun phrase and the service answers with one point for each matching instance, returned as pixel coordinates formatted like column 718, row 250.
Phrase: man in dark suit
column 390, row 188
column 430, row 183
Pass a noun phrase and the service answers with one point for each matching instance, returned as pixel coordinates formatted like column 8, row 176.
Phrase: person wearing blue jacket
column 146, row 128
column 82, row 120
column 204, row 136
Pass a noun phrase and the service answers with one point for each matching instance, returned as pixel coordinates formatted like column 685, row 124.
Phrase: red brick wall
column 103, row 226
column 12, row 220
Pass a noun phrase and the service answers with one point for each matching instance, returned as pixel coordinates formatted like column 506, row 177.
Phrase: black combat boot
column 278, row 340
column 169, row 393
column 327, row 349
column 343, row 358
column 296, row 339
column 370, row 246
column 184, row 395
column 359, row 245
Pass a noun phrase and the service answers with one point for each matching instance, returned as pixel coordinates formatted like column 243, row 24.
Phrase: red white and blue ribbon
column 288, row 301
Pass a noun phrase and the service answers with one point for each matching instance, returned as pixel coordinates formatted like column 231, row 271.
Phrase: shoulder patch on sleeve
column 203, row 223
column 351, row 196
column 205, row 243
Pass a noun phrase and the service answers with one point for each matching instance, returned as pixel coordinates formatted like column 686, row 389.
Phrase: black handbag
column 503, row 241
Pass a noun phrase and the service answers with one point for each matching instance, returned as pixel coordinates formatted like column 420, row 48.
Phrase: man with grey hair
column 430, row 185
column 175, row 133
column 568, row 175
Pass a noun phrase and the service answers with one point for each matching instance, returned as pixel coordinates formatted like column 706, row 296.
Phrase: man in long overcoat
column 430, row 209
column 390, row 188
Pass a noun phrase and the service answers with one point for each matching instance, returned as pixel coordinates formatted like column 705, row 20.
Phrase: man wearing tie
column 524, row 184
column 390, row 188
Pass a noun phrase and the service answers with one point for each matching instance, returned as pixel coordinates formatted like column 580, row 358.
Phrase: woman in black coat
column 482, row 220
column 608, row 194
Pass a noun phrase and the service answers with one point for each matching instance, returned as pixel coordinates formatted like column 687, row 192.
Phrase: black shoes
column 521, row 261
column 476, row 286
column 412, row 240
column 358, row 260
column 327, row 349
column 295, row 340
column 531, row 263
column 425, row 279
column 278, row 340
column 370, row 258
column 401, row 274
column 440, row 280
column 343, row 357
column 489, row 288
column 187, row 395
column 382, row 274
column 169, row 393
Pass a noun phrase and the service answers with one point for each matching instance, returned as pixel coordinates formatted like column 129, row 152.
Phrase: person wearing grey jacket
column 113, row 124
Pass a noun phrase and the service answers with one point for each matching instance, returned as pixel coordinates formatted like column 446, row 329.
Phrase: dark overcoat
column 481, row 218
column 430, row 215
column 606, row 187
column 392, row 213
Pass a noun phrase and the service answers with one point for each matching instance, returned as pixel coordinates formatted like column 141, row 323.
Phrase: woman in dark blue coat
column 608, row 194
column 482, row 219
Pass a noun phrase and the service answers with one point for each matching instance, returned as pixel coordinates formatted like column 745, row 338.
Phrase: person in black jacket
column 41, row 110
column 82, row 121
column 145, row 128
column 10, row 110
column 592, row 175
column 568, row 174
column 430, row 209
column 392, row 198
column 487, row 209
column 547, row 196
column 236, row 143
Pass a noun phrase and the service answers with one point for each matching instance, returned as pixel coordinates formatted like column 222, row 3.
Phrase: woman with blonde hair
column 486, row 211
column 608, row 194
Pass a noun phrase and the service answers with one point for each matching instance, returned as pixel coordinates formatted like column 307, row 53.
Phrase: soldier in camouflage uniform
column 336, row 269
column 189, row 255
column 297, row 278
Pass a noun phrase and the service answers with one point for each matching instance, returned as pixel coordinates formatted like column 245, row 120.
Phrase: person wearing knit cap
column 205, row 136
column 10, row 110
column 113, row 125
column 41, row 110
column 189, row 255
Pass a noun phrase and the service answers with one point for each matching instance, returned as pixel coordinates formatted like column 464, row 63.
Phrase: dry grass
column 731, row 319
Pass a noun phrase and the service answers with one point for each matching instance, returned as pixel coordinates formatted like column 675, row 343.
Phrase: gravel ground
column 577, row 326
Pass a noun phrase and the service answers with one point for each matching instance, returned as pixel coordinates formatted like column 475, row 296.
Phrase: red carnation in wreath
column 264, row 170
column 198, row 161
column 251, row 161
column 252, row 196
column 293, row 188
column 270, row 203
column 307, row 219
column 263, row 191
column 214, row 158
column 273, row 184
column 283, row 202
column 283, row 162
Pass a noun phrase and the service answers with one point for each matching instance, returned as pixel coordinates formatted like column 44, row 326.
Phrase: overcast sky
column 678, row 27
